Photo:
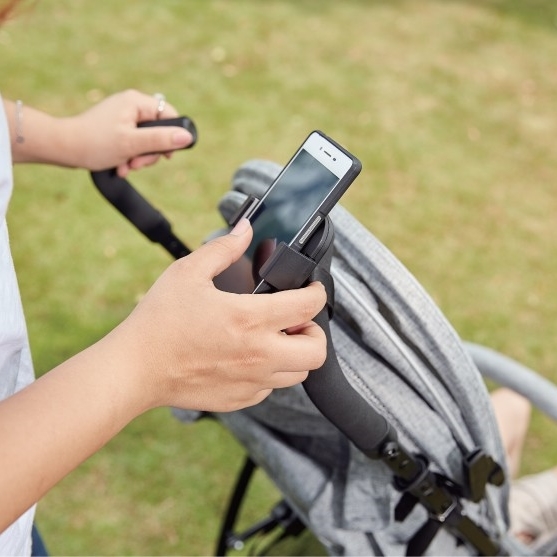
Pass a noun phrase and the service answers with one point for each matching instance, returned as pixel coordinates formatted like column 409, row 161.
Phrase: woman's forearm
column 49, row 428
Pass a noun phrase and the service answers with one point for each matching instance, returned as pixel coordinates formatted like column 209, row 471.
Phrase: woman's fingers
column 291, row 308
column 215, row 256
column 306, row 350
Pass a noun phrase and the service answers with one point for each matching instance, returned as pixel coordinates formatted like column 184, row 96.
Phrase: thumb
column 217, row 255
column 159, row 139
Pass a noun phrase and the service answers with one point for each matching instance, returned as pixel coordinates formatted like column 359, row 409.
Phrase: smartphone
column 293, row 207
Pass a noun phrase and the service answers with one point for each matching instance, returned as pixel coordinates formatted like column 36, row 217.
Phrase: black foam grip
column 180, row 121
column 342, row 405
column 124, row 197
column 148, row 220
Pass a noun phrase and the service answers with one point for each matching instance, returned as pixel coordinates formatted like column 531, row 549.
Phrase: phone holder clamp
column 288, row 269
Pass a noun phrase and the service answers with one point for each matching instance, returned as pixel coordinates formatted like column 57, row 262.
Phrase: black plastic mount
column 287, row 268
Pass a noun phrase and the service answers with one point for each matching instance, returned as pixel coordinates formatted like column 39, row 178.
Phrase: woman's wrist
column 37, row 137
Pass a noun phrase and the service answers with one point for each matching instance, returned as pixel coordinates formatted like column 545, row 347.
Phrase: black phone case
column 290, row 266
column 343, row 184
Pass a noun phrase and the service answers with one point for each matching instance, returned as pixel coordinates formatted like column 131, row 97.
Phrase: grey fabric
column 400, row 353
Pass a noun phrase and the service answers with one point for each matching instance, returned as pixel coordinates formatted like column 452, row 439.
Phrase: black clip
column 243, row 210
column 480, row 469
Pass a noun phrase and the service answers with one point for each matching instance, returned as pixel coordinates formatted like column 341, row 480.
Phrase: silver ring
column 161, row 99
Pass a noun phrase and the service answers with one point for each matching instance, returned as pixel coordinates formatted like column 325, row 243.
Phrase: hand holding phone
column 293, row 208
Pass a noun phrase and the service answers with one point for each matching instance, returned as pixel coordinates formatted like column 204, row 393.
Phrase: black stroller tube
column 341, row 404
column 148, row 220
column 121, row 194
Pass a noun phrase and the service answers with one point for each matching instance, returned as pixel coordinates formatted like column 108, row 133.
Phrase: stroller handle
column 332, row 394
column 329, row 389
column 126, row 199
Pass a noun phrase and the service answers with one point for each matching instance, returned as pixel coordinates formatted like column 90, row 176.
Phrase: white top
column 16, row 368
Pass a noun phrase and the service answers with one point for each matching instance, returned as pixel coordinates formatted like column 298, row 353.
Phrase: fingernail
column 181, row 138
column 242, row 226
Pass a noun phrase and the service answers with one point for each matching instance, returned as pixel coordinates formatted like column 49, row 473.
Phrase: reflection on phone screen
column 285, row 209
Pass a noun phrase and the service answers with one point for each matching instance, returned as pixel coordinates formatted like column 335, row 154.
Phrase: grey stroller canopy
column 408, row 459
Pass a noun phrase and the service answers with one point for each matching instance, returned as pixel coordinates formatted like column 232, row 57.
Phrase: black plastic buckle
column 479, row 470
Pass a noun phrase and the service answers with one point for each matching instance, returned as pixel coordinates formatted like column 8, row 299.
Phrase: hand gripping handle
column 126, row 199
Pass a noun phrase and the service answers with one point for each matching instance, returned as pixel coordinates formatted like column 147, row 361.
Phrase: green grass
column 449, row 104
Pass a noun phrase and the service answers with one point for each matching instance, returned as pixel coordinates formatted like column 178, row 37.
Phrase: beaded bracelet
column 19, row 137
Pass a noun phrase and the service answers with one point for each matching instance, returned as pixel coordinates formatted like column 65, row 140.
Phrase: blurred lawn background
column 451, row 106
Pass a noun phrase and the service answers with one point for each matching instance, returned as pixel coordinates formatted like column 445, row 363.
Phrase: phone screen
column 288, row 205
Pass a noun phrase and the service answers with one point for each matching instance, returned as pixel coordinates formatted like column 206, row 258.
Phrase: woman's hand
column 104, row 136
column 200, row 348
column 111, row 138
